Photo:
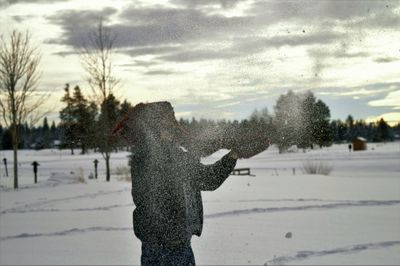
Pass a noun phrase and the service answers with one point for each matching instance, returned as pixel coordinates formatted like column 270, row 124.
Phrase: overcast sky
column 224, row 58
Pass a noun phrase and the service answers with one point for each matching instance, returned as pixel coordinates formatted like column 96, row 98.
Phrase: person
column 350, row 147
column 167, row 181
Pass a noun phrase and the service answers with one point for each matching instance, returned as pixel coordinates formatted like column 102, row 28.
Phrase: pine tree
column 78, row 120
column 383, row 131
column 125, row 107
column 309, row 119
column 322, row 133
column 67, row 121
column 261, row 123
column 45, row 130
column 287, row 121
column 45, row 126
column 109, row 113
column 302, row 120
column 350, row 134
column 84, row 117
column 53, row 131
column 6, row 140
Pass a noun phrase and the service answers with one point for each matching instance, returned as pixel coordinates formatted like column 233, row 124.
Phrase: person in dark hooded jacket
column 167, row 181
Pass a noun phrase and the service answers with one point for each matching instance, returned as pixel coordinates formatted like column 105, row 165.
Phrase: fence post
column 35, row 169
column 95, row 168
column 5, row 166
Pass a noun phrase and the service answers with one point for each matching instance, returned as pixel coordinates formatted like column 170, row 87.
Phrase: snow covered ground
column 351, row 216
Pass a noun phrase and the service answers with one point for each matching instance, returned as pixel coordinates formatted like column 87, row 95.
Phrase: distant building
column 359, row 144
column 56, row 144
column 38, row 145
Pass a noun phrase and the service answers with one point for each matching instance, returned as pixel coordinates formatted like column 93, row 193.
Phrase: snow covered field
column 351, row 216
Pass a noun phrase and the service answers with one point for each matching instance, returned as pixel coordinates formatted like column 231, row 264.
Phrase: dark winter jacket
column 166, row 186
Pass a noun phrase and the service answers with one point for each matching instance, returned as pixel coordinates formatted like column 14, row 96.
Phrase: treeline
column 379, row 131
column 32, row 137
column 298, row 119
column 85, row 125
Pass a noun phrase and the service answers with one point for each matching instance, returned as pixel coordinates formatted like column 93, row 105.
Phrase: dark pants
column 154, row 254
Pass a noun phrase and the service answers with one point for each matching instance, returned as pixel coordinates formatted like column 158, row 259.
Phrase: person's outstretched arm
column 210, row 177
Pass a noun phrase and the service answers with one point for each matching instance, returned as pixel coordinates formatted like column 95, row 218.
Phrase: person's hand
column 234, row 155
column 248, row 147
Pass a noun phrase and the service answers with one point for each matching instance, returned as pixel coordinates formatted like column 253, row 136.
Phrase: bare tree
column 96, row 58
column 19, row 77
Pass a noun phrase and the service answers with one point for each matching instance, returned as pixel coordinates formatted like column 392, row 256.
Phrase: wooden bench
column 241, row 171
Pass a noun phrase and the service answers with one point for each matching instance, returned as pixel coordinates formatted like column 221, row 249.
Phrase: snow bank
column 351, row 216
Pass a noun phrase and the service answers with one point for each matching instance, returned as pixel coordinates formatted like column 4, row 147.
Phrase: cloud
column 260, row 46
column 392, row 118
column 342, row 51
column 198, row 55
column 183, row 115
column 201, row 3
column 321, row 55
column 345, row 54
column 316, row 37
column 318, row 57
column 78, row 24
column 140, row 63
column 370, row 90
column 322, row 10
column 385, row 59
column 149, row 27
column 65, row 53
column 161, row 72
column 244, row 46
column 356, row 92
column 180, row 34
column 392, row 99
column 179, row 25
column 149, row 50
column 22, row 18
column 14, row 2
column 388, row 20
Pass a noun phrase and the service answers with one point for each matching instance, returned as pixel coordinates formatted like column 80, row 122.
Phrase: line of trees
column 32, row 137
column 85, row 125
column 298, row 119
column 82, row 124
column 345, row 131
